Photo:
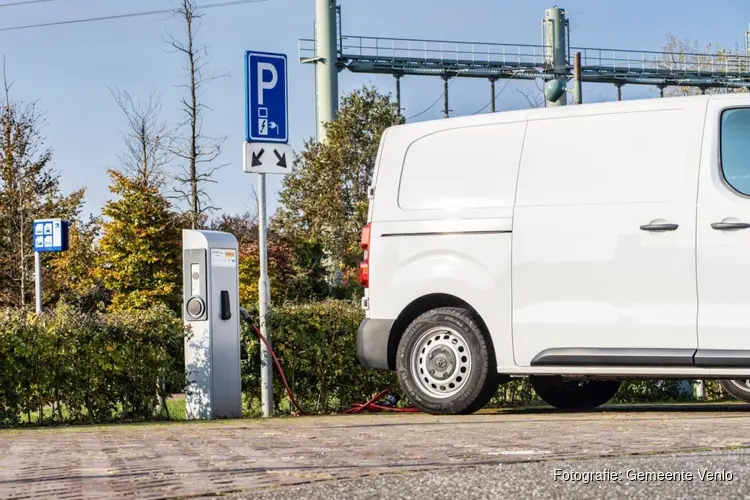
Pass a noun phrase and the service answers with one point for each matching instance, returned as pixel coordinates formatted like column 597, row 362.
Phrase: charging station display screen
column 223, row 257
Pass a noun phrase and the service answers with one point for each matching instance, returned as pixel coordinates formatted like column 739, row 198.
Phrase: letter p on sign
column 263, row 85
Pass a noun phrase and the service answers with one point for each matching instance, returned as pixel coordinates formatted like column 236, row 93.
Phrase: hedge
column 316, row 346
column 520, row 393
column 67, row 366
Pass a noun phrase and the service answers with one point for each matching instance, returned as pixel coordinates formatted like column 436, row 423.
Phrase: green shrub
column 316, row 346
column 650, row 391
column 516, row 392
column 520, row 393
column 714, row 391
column 66, row 366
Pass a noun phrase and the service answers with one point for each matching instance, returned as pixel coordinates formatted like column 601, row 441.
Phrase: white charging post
column 211, row 308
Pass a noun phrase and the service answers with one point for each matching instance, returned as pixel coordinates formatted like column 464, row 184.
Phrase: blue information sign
column 50, row 235
column 266, row 103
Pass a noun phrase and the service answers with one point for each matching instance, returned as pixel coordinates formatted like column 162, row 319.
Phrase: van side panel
column 592, row 279
column 442, row 222
column 461, row 170
column 472, row 266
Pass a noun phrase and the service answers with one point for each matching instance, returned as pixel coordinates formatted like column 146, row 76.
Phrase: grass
column 177, row 410
column 252, row 409
column 176, row 406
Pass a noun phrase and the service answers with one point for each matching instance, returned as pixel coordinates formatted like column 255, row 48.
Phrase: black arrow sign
column 281, row 158
column 256, row 159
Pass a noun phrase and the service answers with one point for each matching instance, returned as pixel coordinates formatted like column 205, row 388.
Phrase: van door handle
column 659, row 227
column 730, row 225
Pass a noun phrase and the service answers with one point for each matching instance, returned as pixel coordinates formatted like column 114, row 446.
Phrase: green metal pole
column 555, row 39
column 326, row 71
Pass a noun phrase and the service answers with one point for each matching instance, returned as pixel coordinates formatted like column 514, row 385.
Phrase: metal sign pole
column 49, row 235
column 266, row 368
column 38, row 281
column 266, row 151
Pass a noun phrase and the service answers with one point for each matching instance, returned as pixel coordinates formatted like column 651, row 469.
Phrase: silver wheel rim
column 741, row 383
column 441, row 362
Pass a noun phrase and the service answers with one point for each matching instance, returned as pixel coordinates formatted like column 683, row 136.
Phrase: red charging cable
column 359, row 407
column 281, row 372
column 356, row 408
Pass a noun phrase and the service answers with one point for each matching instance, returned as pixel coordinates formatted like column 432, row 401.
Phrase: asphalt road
column 714, row 475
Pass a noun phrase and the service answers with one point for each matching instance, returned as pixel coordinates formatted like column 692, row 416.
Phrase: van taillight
column 364, row 266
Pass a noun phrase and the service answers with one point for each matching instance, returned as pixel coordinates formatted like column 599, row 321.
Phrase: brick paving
column 204, row 458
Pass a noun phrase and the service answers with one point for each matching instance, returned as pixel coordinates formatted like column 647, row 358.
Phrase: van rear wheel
column 737, row 387
column 574, row 394
column 444, row 363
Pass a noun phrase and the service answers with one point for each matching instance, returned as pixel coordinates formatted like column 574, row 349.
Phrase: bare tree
column 578, row 15
column 535, row 97
column 684, row 55
column 29, row 189
column 195, row 148
column 147, row 140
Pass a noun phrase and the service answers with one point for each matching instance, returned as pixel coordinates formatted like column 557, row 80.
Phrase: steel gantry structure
column 331, row 52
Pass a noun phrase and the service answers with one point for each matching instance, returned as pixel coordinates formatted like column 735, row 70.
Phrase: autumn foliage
column 140, row 249
column 29, row 189
column 324, row 201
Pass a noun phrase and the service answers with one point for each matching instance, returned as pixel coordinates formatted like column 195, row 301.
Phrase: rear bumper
column 372, row 343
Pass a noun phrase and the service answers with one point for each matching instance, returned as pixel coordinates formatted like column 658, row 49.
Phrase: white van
column 577, row 245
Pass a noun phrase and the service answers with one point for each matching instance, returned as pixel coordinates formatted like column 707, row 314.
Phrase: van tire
column 473, row 378
column 574, row 394
column 738, row 388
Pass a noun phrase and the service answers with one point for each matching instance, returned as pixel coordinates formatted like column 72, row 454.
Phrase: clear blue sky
column 69, row 68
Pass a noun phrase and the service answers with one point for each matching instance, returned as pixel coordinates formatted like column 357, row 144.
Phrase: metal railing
column 421, row 51
column 663, row 63
column 364, row 53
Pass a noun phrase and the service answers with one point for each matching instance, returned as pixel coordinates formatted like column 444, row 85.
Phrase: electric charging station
column 211, row 307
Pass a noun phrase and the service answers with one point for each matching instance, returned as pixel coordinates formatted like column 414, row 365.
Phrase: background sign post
column 50, row 235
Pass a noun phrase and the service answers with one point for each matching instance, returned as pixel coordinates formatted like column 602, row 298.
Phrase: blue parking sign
column 266, row 103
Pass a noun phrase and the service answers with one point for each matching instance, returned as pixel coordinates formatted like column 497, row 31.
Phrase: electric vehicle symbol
column 264, row 125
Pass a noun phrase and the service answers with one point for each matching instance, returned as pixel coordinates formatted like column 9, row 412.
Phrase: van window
column 735, row 149
column 462, row 168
